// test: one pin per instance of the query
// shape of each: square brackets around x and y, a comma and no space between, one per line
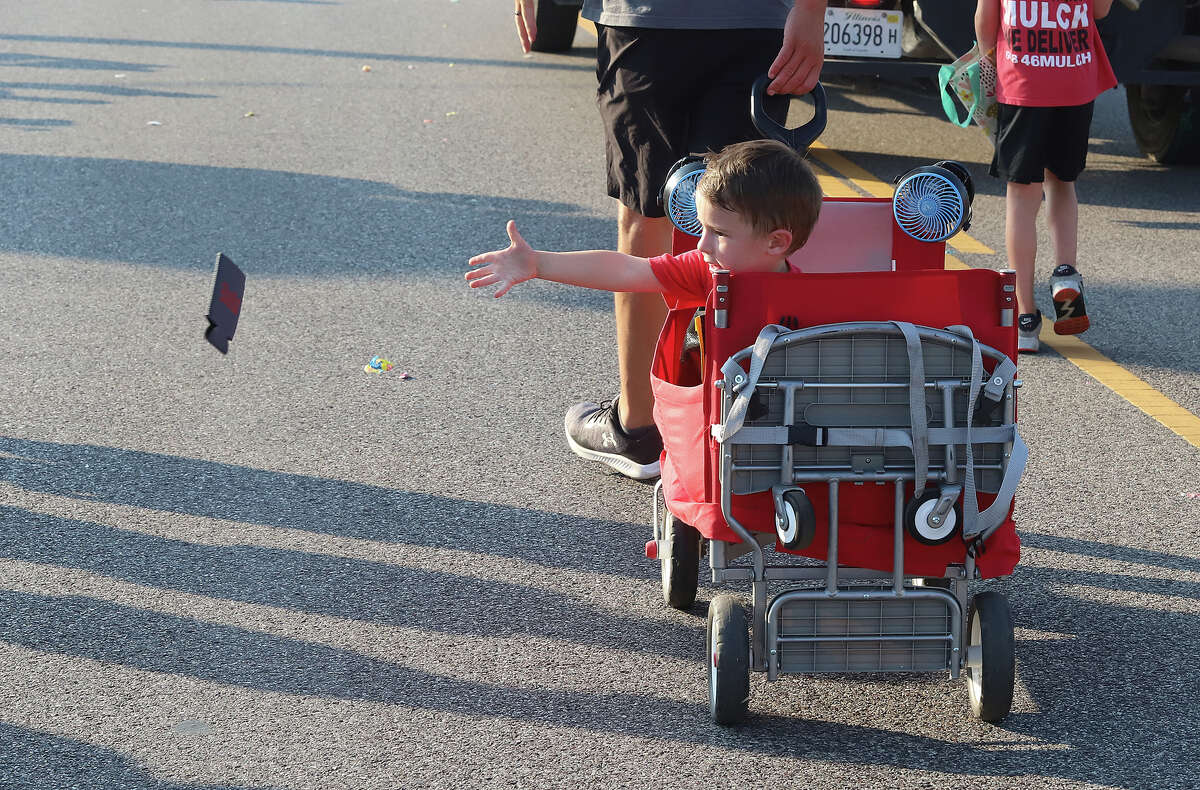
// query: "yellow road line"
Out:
[588,25]
[831,185]
[1133,389]
[955,263]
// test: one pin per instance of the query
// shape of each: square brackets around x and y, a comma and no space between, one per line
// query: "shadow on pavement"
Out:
[274,222]
[39,761]
[1076,736]
[325,506]
[353,589]
[545,62]
[8,92]
[1100,681]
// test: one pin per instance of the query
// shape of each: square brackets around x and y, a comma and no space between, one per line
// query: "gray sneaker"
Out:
[1029,325]
[594,432]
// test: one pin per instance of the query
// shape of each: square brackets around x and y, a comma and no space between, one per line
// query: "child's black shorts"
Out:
[664,94]
[1030,140]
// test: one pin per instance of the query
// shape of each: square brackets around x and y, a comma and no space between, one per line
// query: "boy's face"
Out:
[730,242]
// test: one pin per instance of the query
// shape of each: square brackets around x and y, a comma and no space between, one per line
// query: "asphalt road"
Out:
[270,570]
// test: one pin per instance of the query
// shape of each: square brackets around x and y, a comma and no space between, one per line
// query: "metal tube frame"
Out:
[765,617]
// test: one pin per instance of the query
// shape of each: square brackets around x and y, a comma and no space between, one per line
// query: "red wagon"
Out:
[858,420]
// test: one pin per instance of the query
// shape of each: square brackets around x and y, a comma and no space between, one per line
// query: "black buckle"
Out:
[807,435]
[985,409]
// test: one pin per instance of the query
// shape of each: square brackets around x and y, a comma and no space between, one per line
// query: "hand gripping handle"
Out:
[799,138]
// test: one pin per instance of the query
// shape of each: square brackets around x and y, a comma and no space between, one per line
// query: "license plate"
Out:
[864,33]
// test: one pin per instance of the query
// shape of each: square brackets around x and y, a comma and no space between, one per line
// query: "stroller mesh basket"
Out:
[887,635]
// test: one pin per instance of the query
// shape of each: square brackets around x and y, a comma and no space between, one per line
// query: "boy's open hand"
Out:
[504,268]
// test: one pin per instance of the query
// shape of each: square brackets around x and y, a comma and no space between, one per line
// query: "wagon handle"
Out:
[799,138]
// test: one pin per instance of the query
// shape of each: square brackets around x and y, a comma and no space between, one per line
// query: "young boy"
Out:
[1050,66]
[757,202]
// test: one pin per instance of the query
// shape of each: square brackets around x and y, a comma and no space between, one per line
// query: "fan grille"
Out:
[928,207]
[681,204]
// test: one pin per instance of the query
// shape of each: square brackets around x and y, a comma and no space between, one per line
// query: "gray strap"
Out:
[991,518]
[916,405]
[970,496]
[1004,372]
[743,383]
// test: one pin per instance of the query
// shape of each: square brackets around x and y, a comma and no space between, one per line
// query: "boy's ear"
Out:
[779,241]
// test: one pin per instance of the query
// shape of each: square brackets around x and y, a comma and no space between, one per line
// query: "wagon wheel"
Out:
[728,650]
[680,558]
[918,519]
[991,662]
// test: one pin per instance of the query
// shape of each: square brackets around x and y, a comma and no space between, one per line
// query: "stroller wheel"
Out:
[918,519]
[795,521]
[991,664]
[680,558]
[728,648]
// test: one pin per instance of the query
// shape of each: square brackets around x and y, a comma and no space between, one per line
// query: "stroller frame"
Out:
[833,616]
[765,647]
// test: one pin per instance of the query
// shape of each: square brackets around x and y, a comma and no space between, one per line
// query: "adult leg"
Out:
[639,317]
[1020,237]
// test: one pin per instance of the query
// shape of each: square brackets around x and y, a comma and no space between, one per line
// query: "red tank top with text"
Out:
[1048,54]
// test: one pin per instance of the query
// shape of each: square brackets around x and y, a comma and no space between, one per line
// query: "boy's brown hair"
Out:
[768,184]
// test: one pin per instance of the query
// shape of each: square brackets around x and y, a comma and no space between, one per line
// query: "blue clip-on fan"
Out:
[932,203]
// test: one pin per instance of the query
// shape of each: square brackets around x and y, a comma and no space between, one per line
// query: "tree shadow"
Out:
[381,593]
[1109,686]
[320,505]
[39,761]
[1084,740]
[1098,683]
[8,92]
[37,61]
[35,124]
[553,63]
[273,222]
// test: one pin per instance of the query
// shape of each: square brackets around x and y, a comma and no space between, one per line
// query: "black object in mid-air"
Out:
[229,284]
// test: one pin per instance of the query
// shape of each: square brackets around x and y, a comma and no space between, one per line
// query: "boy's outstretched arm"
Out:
[987,24]
[600,269]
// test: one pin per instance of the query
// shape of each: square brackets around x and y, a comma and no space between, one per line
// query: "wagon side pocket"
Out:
[679,412]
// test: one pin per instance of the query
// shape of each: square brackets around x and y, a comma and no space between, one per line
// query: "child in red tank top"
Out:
[1050,66]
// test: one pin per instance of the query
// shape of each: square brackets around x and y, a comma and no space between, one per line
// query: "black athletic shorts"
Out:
[1030,140]
[664,94]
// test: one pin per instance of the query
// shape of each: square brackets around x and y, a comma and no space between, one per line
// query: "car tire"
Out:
[1166,122]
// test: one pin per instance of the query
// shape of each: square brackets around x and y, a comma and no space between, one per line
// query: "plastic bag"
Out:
[973,79]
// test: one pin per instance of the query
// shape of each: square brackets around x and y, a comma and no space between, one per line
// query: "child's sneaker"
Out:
[1029,325]
[594,432]
[1066,288]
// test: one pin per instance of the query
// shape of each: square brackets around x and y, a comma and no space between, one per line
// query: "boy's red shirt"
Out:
[686,279]
[1048,54]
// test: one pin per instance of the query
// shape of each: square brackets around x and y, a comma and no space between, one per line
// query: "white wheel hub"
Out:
[786,525]
[929,530]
